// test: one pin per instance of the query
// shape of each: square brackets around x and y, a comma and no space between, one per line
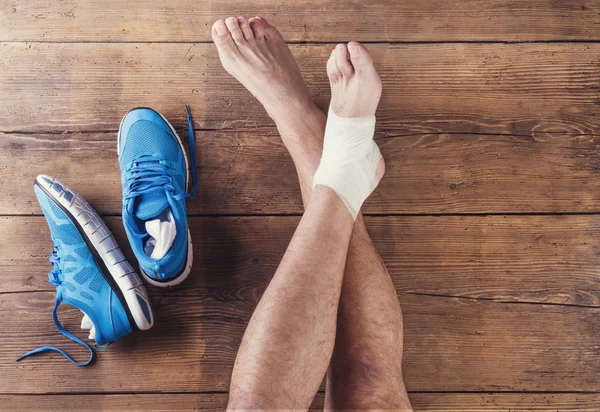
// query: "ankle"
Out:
[302,134]
[298,117]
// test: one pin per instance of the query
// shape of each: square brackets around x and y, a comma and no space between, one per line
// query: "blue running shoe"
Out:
[155,176]
[89,271]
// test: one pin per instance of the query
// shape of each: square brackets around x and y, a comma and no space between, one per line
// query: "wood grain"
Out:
[202,323]
[500,311]
[537,259]
[252,173]
[451,345]
[438,402]
[518,89]
[316,20]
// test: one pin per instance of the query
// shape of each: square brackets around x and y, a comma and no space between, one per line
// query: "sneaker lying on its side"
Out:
[89,271]
[155,176]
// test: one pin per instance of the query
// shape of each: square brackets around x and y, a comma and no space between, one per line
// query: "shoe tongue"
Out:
[149,205]
[162,231]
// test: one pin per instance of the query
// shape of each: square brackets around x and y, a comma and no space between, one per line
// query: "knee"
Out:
[364,366]
[358,366]
[363,372]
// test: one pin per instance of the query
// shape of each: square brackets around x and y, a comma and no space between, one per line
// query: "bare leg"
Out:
[369,339]
[366,368]
[289,341]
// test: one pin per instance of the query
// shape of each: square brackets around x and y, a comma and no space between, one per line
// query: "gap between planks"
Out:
[315,43]
[432,295]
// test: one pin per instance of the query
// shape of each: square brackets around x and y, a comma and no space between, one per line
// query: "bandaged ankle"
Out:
[350,159]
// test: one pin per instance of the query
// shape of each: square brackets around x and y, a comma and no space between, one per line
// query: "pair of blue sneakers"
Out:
[89,270]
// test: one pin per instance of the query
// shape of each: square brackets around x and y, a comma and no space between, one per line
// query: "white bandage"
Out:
[350,158]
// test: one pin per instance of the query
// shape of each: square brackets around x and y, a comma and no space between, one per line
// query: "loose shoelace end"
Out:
[192,143]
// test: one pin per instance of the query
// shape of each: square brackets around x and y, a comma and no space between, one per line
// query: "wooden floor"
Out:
[488,217]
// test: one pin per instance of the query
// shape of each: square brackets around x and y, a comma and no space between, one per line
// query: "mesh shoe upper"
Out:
[154,178]
[78,280]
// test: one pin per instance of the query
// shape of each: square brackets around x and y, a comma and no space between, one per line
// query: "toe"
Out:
[221,36]
[245,27]
[342,62]
[270,31]
[332,70]
[236,32]
[257,25]
[264,21]
[360,57]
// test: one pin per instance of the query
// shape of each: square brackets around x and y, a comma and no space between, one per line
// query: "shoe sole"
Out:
[119,274]
[176,280]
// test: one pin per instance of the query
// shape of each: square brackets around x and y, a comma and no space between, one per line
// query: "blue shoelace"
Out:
[192,144]
[55,278]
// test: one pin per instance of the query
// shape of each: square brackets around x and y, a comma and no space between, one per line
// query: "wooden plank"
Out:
[316,20]
[251,172]
[451,345]
[539,259]
[439,402]
[519,89]
[549,402]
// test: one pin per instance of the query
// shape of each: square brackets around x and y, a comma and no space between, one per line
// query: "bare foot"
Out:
[253,52]
[355,84]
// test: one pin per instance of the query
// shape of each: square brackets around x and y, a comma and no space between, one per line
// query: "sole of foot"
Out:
[355,84]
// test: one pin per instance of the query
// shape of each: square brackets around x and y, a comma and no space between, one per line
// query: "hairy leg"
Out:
[366,368]
[289,341]
[368,297]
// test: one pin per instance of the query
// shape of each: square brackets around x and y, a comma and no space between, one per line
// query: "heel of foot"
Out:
[350,159]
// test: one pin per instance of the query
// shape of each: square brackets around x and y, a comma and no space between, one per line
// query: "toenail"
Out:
[221,29]
[354,50]
[340,47]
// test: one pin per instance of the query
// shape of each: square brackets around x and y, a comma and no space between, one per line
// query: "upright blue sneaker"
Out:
[155,176]
[89,271]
